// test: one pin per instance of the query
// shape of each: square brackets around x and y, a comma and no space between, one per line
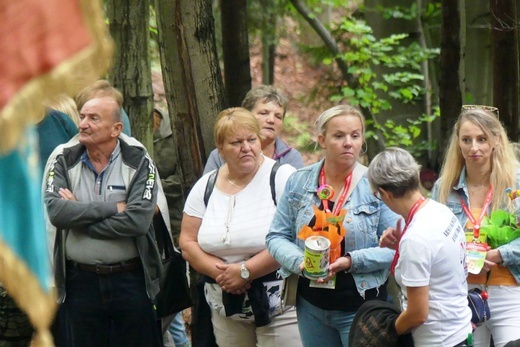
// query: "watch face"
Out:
[244,273]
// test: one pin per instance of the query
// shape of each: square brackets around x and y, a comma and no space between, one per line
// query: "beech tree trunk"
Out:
[235,48]
[450,95]
[129,20]
[192,79]
[193,86]
[269,18]
[505,63]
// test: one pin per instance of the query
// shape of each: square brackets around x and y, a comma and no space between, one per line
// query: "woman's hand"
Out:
[493,258]
[488,265]
[392,236]
[230,280]
[341,264]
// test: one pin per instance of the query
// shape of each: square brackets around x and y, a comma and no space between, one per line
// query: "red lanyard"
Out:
[476,223]
[409,218]
[343,196]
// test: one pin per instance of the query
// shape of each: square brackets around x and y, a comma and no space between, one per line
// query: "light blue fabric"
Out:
[322,327]
[365,221]
[127,129]
[510,252]
[178,331]
[22,227]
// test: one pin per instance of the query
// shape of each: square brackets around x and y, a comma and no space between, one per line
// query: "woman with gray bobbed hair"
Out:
[430,263]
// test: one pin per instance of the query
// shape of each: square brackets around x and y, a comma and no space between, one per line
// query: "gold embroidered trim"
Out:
[26,107]
[25,289]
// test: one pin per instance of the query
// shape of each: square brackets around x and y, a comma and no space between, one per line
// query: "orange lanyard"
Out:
[343,196]
[409,218]
[477,223]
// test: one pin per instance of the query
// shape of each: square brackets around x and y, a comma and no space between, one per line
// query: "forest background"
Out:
[409,65]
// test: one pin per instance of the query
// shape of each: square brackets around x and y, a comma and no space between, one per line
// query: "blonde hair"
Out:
[340,110]
[503,162]
[65,104]
[232,119]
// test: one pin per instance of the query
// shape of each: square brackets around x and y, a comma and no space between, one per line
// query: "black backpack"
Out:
[213,178]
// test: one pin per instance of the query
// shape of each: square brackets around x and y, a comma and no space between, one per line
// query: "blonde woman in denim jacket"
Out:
[325,315]
[479,159]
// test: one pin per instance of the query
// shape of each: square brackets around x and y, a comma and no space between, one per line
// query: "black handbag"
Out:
[174,295]
[479,306]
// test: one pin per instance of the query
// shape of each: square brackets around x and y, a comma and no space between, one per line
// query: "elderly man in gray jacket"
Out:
[101,195]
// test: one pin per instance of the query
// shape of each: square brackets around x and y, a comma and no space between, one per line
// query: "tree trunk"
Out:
[450,96]
[505,63]
[132,67]
[268,58]
[193,85]
[235,48]
[428,105]
[476,70]
[268,33]
[192,79]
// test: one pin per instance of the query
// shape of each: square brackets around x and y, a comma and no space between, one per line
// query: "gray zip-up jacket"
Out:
[100,218]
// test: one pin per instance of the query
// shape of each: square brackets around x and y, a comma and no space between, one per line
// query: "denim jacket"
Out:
[510,252]
[365,221]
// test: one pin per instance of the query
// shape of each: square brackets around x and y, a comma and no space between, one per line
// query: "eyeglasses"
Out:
[377,195]
[491,109]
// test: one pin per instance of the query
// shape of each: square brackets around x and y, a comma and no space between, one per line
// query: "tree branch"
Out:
[331,44]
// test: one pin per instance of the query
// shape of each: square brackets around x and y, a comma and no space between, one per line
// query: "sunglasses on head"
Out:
[491,109]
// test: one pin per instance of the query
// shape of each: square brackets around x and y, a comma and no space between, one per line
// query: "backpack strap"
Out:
[209,186]
[213,178]
[272,181]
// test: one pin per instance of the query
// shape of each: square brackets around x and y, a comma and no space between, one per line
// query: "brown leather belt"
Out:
[107,269]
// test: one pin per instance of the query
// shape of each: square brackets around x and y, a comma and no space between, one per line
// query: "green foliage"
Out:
[402,79]
[404,135]
[387,70]
[431,10]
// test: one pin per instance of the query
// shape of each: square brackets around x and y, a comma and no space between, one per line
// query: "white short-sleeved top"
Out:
[234,226]
[433,254]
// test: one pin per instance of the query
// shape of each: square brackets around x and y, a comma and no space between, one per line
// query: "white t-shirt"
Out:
[433,253]
[234,226]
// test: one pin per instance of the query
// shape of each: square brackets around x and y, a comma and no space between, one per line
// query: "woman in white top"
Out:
[430,262]
[225,240]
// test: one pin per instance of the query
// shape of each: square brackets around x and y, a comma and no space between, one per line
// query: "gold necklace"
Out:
[236,185]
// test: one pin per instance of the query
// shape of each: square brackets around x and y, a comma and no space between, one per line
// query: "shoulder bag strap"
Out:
[209,186]
[272,181]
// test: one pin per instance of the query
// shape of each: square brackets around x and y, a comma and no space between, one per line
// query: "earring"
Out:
[363,151]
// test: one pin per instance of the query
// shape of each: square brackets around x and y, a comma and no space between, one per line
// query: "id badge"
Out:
[330,284]
[476,254]
[482,237]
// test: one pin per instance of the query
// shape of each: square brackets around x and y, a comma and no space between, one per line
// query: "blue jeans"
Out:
[322,327]
[110,310]
[177,329]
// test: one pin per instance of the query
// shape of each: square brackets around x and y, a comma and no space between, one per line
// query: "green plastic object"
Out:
[469,341]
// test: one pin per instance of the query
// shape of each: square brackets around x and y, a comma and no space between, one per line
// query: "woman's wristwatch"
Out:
[244,272]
